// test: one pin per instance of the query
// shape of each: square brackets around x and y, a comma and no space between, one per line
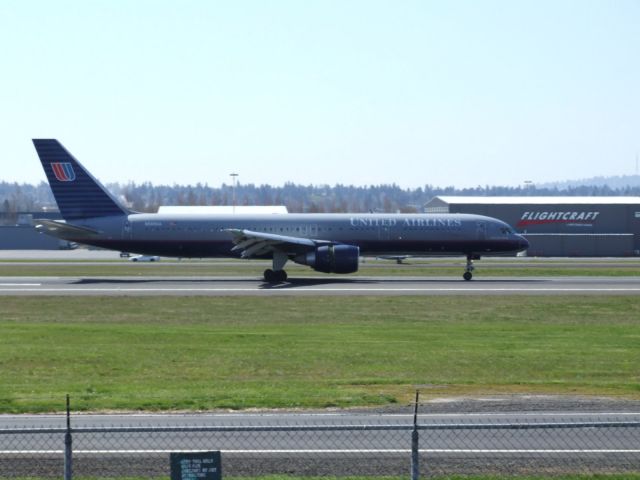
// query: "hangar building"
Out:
[17,232]
[560,226]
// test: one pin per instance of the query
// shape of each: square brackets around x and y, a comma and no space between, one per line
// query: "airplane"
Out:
[329,243]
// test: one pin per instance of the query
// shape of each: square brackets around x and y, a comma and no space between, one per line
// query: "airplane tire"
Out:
[467,276]
[276,276]
[270,276]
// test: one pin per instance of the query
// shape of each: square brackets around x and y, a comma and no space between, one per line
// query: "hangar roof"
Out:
[216,209]
[533,200]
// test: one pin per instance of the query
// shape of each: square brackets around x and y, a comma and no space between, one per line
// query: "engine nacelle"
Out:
[332,259]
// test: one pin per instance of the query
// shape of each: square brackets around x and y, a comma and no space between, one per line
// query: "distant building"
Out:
[25,237]
[17,232]
[24,218]
[560,226]
[224,209]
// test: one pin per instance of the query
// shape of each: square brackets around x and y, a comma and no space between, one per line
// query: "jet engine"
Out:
[331,259]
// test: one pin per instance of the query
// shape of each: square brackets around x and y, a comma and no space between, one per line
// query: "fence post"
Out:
[68,452]
[415,460]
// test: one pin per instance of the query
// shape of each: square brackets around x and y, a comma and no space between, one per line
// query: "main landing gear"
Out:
[277,274]
[470,268]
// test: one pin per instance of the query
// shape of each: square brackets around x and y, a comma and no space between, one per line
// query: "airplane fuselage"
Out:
[206,235]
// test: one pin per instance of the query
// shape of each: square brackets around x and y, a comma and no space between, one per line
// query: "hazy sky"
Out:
[360,92]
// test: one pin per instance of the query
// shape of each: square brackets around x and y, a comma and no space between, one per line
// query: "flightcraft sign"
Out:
[543,217]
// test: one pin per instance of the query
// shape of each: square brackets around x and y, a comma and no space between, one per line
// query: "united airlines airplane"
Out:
[329,243]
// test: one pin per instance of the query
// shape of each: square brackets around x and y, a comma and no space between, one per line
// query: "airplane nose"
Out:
[523,243]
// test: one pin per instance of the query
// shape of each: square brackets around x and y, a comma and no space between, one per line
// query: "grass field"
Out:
[122,353]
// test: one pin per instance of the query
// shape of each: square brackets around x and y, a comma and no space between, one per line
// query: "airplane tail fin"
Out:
[78,194]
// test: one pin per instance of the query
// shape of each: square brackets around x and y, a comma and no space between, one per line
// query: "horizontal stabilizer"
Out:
[63,230]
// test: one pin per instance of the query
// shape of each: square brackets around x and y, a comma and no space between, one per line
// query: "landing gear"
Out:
[470,268]
[275,276]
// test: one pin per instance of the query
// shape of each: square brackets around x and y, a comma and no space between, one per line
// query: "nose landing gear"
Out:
[468,275]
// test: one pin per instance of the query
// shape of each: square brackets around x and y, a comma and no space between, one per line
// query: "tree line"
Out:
[146,197]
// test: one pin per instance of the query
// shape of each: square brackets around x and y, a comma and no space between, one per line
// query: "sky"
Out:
[449,92]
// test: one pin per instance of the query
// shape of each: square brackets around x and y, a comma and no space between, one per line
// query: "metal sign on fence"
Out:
[196,466]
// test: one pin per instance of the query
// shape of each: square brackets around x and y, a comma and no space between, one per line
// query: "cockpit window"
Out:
[506,230]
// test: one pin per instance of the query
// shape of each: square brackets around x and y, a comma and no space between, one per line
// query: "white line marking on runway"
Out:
[302,290]
[20,284]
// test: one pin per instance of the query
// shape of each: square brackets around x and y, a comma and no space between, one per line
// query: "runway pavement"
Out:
[610,411]
[329,285]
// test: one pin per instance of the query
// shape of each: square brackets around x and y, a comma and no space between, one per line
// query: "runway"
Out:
[608,411]
[310,286]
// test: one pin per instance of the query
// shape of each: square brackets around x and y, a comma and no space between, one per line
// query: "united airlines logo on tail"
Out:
[63,172]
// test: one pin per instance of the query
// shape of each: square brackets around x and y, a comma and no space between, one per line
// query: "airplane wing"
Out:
[259,243]
[63,230]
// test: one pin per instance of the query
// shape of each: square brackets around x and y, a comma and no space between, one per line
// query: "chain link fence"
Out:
[424,446]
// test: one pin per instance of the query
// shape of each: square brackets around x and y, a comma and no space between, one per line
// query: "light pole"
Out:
[233,190]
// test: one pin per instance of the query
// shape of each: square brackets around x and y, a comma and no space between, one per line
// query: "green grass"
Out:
[240,352]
